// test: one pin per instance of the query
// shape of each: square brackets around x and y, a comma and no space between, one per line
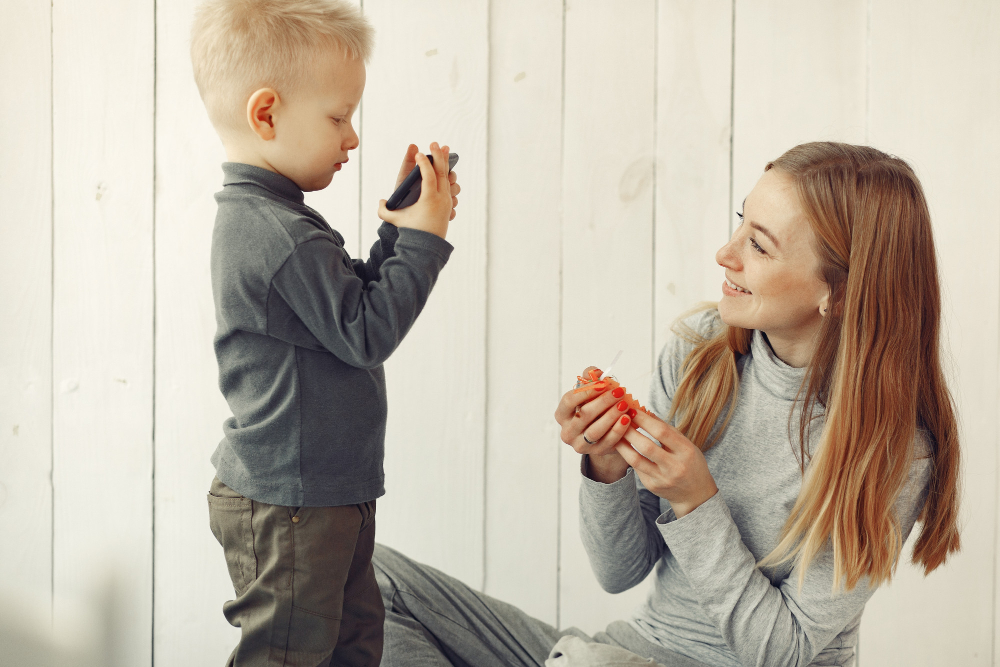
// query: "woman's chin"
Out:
[730,315]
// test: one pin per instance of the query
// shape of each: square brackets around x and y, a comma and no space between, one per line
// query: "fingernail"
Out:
[632,413]
[618,392]
[622,406]
[625,421]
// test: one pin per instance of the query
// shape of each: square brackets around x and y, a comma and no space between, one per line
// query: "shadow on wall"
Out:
[85,637]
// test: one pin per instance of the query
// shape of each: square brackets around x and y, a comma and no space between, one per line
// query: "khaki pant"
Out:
[305,587]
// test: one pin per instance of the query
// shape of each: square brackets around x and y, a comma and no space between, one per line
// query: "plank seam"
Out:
[656,143]
[559,463]
[52,316]
[732,111]
[486,292]
[868,71]
[152,435]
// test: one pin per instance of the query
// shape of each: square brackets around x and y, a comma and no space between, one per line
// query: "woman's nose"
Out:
[727,255]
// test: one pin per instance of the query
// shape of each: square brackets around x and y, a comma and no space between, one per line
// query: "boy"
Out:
[302,328]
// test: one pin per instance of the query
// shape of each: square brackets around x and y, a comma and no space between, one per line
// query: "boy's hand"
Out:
[438,195]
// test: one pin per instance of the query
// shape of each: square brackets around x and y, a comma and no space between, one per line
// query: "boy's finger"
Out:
[386,214]
[441,166]
[427,175]
[408,164]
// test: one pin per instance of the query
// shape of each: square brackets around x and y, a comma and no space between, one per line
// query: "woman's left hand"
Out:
[677,472]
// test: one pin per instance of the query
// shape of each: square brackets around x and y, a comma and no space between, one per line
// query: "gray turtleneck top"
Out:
[709,600]
[302,332]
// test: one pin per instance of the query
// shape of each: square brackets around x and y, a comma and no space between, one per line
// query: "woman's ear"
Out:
[260,112]
[824,303]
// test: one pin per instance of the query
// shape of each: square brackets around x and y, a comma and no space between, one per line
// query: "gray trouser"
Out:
[432,619]
[305,588]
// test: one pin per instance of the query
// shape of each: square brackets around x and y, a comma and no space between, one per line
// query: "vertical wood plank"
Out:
[935,101]
[799,76]
[428,82]
[694,80]
[190,571]
[103,317]
[26,304]
[522,448]
[607,242]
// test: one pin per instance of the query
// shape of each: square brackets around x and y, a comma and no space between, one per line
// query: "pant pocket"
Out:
[312,637]
[229,519]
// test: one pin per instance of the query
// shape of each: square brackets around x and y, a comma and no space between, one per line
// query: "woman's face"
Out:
[773,280]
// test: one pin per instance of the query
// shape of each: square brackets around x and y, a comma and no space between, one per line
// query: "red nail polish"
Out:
[618,392]
[632,413]
[622,406]
[625,421]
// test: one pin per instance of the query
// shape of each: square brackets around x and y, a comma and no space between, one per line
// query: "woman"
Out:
[809,427]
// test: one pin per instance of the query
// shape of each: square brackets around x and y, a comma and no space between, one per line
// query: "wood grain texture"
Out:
[523,383]
[190,574]
[693,131]
[607,243]
[799,76]
[428,82]
[934,104]
[26,305]
[103,306]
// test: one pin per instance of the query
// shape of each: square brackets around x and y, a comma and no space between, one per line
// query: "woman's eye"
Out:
[740,215]
[756,246]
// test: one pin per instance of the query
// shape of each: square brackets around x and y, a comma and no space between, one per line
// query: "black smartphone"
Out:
[408,191]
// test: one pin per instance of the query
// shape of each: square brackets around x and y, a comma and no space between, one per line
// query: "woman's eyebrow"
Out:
[764,230]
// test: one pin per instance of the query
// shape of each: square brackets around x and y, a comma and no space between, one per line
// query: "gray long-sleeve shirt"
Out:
[302,333]
[710,601]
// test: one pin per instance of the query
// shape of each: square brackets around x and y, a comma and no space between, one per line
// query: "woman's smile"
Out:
[729,288]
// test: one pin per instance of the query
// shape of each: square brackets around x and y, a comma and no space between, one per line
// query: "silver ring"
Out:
[588,440]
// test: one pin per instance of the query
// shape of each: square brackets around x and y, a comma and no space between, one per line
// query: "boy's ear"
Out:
[260,112]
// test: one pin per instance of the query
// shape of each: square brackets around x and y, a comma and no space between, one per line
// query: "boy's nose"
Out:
[352,140]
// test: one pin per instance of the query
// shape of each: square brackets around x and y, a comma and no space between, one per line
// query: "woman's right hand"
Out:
[600,414]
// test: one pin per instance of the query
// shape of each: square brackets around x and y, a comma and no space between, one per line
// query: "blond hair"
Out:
[239,46]
[876,371]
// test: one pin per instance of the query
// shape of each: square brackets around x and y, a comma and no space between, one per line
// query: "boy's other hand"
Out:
[438,195]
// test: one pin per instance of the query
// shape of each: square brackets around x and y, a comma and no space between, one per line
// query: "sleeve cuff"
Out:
[707,527]
[623,489]
[421,240]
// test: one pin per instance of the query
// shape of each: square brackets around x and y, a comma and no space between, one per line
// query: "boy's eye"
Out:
[337,121]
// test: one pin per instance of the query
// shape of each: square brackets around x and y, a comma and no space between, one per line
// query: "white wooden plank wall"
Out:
[609,144]
[26,307]
[604,148]
[102,357]
[932,104]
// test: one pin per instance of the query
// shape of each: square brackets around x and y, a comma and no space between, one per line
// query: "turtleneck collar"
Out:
[237,173]
[778,377]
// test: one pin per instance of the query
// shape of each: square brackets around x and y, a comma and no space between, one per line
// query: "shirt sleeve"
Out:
[763,623]
[381,250]
[618,529]
[618,521]
[359,319]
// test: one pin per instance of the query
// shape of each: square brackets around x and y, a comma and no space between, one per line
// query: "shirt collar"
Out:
[237,173]
[778,377]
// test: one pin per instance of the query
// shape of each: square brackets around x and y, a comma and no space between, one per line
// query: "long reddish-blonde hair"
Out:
[875,374]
